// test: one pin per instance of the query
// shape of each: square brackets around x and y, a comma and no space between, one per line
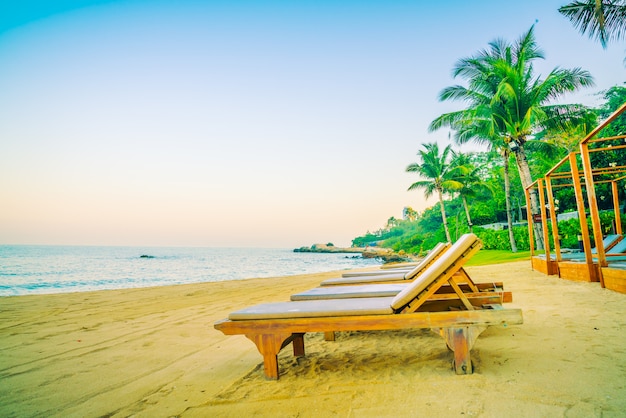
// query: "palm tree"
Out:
[604,20]
[471,181]
[439,175]
[477,129]
[392,223]
[409,213]
[507,104]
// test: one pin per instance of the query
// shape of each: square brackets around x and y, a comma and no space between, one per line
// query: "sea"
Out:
[35,269]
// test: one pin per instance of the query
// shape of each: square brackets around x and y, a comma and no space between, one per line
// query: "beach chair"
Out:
[368,290]
[382,277]
[618,249]
[379,278]
[494,291]
[459,320]
[613,244]
[401,273]
[615,256]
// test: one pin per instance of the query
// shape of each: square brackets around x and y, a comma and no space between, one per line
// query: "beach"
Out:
[153,352]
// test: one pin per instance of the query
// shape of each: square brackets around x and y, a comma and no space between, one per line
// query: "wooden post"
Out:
[618,219]
[329,336]
[580,206]
[269,345]
[460,341]
[544,221]
[553,220]
[593,207]
[298,344]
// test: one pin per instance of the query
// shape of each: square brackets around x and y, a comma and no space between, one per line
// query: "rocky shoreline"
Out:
[386,255]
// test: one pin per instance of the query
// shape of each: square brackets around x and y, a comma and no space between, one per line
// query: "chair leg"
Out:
[269,345]
[298,345]
[460,341]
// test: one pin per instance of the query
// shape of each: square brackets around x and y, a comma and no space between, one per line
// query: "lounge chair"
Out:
[458,320]
[461,278]
[381,277]
[614,256]
[406,272]
[389,278]
[618,249]
[404,265]
[378,272]
[613,244]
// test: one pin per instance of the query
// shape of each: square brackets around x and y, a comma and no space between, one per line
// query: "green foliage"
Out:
[422,231]
[499,240]
[570,230]
[365,240]
[604,21]
[418,237]
[614,97]
[400,228]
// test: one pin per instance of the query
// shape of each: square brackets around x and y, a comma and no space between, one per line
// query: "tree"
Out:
[468,176]
[604,20]
[392,222]
[507,104]
[614,98]
[438,176]
[410,214]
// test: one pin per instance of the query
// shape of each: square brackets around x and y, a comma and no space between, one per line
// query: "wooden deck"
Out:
[579,271]
[615,278]
[544,266]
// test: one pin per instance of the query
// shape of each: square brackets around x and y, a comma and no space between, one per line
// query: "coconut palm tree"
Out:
[438,174]
[469,176]
[477,129]
[410,214]
[604,20]
[507,104]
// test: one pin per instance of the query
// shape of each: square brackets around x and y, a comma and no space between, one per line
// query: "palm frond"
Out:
[603,20]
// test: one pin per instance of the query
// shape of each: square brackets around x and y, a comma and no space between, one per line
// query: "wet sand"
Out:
[154,353]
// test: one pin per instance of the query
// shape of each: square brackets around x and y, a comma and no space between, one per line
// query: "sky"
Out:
[239,123]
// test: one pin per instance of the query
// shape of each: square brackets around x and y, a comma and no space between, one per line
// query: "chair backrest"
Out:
[433,277]
[618,248]
[428,260]
[608,242]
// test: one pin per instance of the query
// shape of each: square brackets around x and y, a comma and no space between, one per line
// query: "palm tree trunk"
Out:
[507,195]
[443,216]
[526,178]
[467,213]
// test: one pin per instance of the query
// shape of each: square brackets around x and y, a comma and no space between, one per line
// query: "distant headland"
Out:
[387,255]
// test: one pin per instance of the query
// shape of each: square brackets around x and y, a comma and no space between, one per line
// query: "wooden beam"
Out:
[553,220]
[556,167]
[446,319]
[544,219]
[616,209]
[459,329]
[610,119]
[608,148]
[580,205]
[608,138]
[593,207]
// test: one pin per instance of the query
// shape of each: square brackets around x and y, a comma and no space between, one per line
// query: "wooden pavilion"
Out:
[576,171]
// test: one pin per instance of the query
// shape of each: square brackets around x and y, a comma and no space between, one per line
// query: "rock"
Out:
[386,255]
[323,248]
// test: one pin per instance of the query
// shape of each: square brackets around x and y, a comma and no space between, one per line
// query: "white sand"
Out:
[154,353]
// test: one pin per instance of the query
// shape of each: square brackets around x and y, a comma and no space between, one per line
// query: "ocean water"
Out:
[29,269]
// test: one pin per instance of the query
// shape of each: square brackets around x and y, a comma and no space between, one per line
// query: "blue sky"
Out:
[238,123]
